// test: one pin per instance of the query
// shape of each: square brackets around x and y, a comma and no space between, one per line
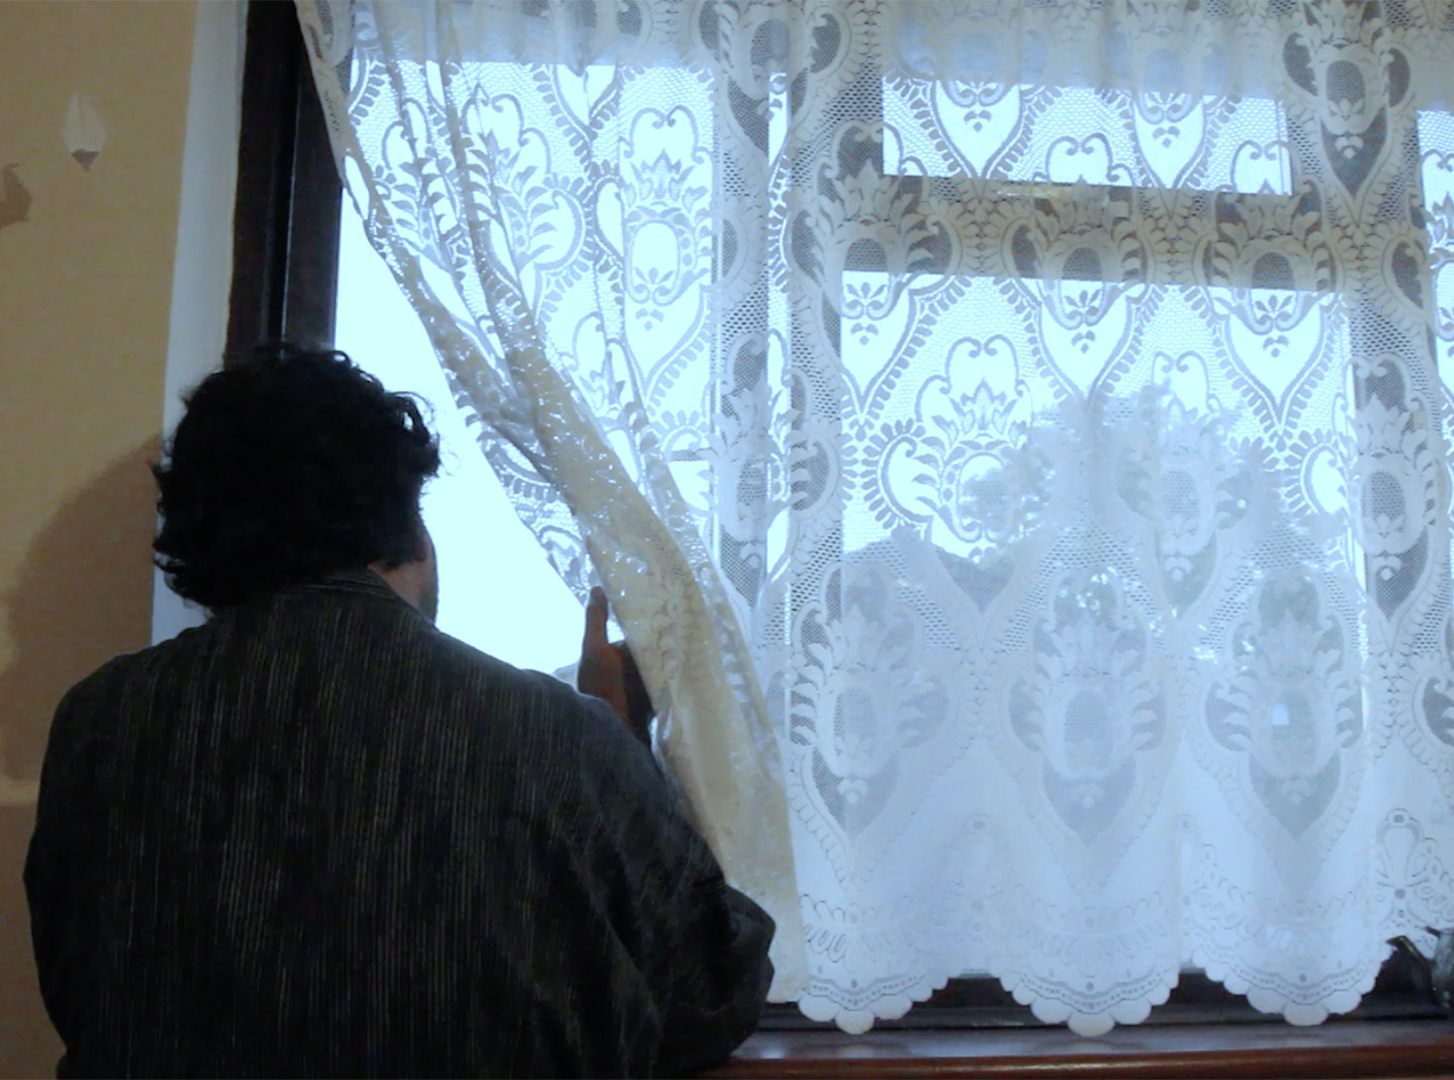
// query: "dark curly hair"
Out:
[289,465]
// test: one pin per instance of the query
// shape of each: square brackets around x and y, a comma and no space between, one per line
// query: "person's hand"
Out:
[608,671]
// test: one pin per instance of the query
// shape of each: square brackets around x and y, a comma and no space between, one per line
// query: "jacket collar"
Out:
[363,581]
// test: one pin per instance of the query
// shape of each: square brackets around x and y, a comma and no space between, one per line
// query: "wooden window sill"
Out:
[1388,1048]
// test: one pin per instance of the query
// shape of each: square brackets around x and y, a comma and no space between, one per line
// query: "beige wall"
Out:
[85,291]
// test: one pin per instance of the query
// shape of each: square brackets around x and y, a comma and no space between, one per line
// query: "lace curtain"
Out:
[1012,435]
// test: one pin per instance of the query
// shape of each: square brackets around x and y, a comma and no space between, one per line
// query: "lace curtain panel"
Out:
[1012,435]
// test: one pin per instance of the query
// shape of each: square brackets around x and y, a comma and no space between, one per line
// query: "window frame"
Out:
[289,196]
[286,230]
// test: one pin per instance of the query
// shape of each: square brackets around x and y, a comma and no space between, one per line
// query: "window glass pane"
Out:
[984,372]
[1436,147]
[1067,134]
[498,592]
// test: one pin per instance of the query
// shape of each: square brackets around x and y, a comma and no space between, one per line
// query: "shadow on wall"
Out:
[28,1044]
[82,595]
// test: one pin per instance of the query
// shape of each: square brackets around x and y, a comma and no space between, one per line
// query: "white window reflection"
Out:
[498,592]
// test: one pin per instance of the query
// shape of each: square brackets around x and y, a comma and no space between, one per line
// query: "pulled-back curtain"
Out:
[1012,435]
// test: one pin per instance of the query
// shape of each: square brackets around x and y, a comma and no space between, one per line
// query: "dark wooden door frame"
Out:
[286,217]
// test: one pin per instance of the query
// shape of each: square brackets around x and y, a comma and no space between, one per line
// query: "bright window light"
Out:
[1079,135]
[498,592]
[1436,150]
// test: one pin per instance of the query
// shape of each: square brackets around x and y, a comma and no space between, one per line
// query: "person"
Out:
[318,836]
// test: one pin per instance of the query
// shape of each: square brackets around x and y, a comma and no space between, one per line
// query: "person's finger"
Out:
[597,611]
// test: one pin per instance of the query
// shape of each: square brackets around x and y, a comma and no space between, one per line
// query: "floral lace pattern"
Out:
[1015,434]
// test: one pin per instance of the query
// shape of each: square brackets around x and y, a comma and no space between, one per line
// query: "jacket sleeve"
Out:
[60,856]
[718,974]
[700,944]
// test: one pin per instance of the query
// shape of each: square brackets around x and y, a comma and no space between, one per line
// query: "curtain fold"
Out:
[1013,437]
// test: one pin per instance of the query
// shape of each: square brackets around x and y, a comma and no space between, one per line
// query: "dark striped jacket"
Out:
[316,836]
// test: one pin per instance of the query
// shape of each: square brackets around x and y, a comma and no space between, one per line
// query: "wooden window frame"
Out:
[286,218]
[284,288]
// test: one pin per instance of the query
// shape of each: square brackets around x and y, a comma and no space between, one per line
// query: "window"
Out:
[1092,297]
[1436,129]
[510,603]
[977,120]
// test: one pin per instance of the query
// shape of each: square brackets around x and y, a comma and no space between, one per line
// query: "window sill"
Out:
[1336,1049]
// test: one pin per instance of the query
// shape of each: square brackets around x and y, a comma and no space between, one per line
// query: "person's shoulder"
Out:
[451,652]
[108,679]
[92,702]
[547,698]
[555,714]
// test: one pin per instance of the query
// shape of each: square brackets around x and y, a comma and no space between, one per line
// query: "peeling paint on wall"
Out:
[84,133]
[14,197]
